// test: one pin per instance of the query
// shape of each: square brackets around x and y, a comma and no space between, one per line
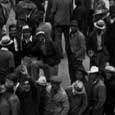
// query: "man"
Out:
[23,11]
[6,58]
[61,13]
[111,35]
[45,52]
[15,46]
[4,105]
[56,98]
[26,43]
[11,97]
[77,98]
[97,95]
[77,51]
[28,92]
[109,80]
[97,45]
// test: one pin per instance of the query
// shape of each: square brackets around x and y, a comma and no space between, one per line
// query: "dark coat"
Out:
[29,101]
[48,54]
[77,102]
[97,98]
[99,57]
[61,12]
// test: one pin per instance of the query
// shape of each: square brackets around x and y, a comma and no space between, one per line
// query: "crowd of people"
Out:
[34,44]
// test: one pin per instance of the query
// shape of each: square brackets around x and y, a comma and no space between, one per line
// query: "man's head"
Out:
[26,32]
[109,71]
[40,35]
[74,26]
[12,30]
[93,73]
[99,26]
[55,82]
[80,73]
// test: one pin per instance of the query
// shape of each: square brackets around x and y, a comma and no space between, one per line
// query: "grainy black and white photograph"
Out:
[57,57]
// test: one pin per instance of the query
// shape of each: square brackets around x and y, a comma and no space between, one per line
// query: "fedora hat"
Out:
[5,41]
[56,79]
[42,81]
[100,24]
[78,86]
[2,88]
[94,69]
[110,68]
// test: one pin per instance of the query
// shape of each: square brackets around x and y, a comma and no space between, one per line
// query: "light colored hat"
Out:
[94,69]
[56,79]
[42,81]
[5,41]
[2,88]
[110,68]
[40,32]
[26,27]
[100,24]
[78,85]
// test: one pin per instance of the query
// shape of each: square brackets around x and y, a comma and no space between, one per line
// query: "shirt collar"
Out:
[5,49]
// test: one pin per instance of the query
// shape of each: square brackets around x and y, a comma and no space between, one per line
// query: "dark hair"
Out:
[12,26]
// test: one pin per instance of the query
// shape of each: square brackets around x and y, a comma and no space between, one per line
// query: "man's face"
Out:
[108,75]
[26,34]
[55,86]
[99,31]
[13,32]
[92,77]
[41,38]
[25,86]
[74,28]
[79,75]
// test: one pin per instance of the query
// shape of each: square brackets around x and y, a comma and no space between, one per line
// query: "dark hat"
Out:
[81,69]
[74,23]
[2,88]
[26,28]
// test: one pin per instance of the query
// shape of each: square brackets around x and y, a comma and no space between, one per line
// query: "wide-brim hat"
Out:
[78,86]
[100,24]
[55,79]
[5,41]
[40,33]
[109,69]
[42,81]
[26,28]
[2,89]
[100,12]
[94,69]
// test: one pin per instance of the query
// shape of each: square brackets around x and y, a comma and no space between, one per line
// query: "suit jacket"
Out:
[61,12]
[92,43]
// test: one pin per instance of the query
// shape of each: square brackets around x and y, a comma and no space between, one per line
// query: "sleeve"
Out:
[84,104]
[101,97]
[65,105]
[11,63]
[53,10]
[82,45]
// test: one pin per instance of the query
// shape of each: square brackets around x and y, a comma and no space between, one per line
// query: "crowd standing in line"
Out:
[34,43]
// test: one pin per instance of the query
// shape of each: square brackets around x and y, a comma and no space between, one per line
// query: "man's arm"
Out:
[65,105]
